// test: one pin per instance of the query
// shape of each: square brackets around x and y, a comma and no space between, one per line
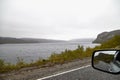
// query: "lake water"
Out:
[34,51]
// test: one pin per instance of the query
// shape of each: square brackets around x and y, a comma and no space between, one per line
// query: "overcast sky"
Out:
[58,19]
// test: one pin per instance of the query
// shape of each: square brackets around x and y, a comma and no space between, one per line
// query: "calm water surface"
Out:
[34,51]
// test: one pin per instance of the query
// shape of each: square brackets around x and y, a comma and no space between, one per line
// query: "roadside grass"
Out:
[7,67]
[55,58]
[69,55]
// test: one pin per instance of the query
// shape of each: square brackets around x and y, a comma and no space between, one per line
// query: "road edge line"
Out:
[64,72]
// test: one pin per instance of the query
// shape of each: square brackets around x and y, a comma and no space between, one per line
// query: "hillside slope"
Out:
[105,36]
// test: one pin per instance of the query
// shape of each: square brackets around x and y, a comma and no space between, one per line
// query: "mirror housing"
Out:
[106,61]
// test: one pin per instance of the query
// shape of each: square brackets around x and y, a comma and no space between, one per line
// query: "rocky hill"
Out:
[105,36]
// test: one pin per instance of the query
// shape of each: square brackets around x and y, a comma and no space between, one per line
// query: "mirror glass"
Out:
[107,61]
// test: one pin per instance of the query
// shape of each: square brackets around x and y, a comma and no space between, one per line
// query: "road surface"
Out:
[83,73]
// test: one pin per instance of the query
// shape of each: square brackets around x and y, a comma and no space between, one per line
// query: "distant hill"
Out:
[84,39]
[5,40]
[105,36]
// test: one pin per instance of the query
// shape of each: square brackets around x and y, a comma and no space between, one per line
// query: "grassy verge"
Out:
[65,56]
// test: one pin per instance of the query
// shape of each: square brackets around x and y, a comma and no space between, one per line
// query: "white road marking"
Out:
[64,72]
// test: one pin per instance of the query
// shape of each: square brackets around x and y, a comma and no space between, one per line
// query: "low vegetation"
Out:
[65,56]
[112,43]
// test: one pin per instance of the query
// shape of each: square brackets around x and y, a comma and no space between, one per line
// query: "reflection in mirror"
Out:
[107,61]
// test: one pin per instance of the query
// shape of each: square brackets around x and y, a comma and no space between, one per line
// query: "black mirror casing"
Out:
[100,69]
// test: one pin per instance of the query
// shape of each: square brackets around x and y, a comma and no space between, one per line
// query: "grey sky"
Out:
[58,19]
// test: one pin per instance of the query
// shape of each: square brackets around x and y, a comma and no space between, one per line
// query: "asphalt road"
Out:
[87,73]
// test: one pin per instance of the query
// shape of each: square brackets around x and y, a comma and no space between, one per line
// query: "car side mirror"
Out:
[106,61]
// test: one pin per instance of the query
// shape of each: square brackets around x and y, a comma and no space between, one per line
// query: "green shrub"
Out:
[1,63]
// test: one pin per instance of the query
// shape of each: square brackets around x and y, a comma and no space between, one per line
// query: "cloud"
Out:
[63,19]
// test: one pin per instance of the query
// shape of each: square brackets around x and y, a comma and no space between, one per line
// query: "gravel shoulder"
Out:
[33,73]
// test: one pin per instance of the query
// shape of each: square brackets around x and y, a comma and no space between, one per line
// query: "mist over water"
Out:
[34,51]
